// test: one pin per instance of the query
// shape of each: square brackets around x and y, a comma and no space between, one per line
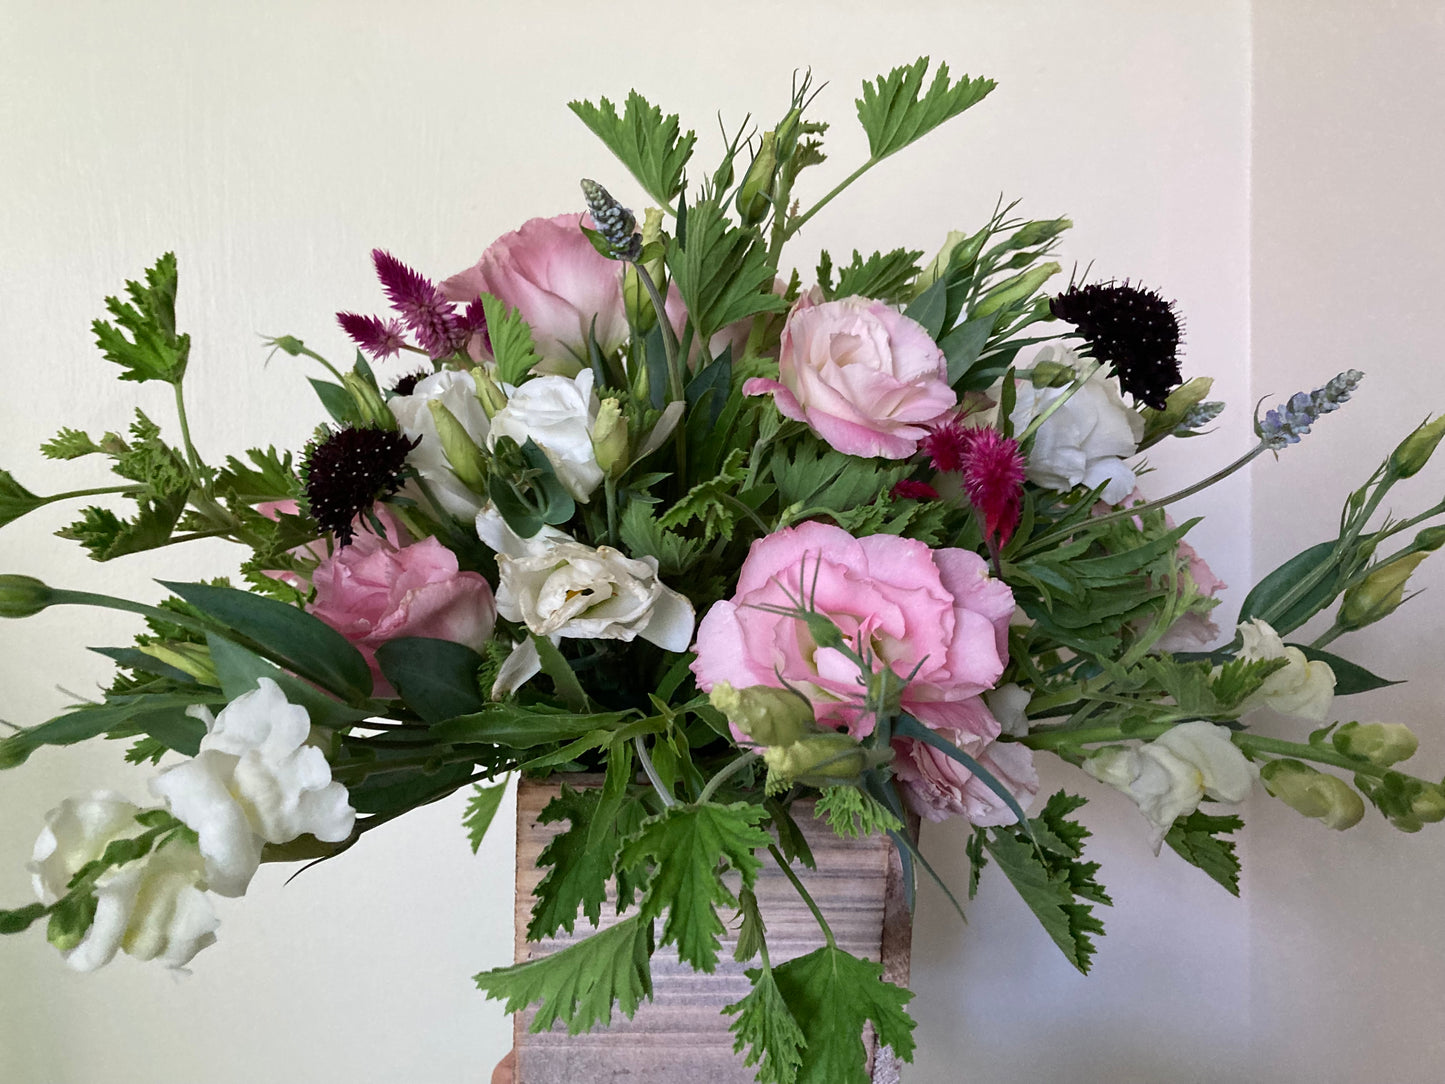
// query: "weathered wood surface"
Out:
[682,1035]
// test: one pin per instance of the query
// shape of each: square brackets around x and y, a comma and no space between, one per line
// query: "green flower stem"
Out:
[647,766]
[609,489]
[1044,415]
[191,457]
[99,491]
[803,892]
[62,597]
[723,776]
[798,221]
[669,337]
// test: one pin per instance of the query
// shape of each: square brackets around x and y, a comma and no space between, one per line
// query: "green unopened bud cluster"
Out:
[1381,744]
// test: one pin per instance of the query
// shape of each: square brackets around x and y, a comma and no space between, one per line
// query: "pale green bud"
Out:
[958,247]
[370,405]
[1181,401]
[1380,743]
[1378,594]
[769,716]
[1414,451]
[824,759]
[489,395]
[467,461]
[23,596]
[1051,374]
[756,194]
[1326,798]
[1038,233]
[1430,539]
[1013,290]
[192,659]
[609,438]
[1429,804]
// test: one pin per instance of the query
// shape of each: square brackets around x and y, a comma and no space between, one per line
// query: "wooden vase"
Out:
[682,1034]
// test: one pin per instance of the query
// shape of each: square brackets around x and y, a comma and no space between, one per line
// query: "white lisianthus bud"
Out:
[457,391]
[558,414]
[1170,776]
[1304,688]
[254,781]
[574,590]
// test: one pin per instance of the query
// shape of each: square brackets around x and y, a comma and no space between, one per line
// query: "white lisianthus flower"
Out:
[1304,688]
[598,594]
[153,908]
[557,413]
[1170,776]
[254,781]
[1085,441]
[457,391]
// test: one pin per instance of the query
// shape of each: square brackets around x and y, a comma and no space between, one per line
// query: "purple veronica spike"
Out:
[379,338]
[431,317]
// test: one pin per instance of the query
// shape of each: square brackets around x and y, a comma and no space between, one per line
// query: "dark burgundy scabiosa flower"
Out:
[431,317]
[348,471]
[1133,328]
[993,478]
[380,338]
[908,489]
[407,384]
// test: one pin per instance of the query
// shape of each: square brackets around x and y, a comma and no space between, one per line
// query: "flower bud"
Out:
[1327,798]
[769,716]
[370,406]
[1013,290]
[23,596]
[958,248]
[1380,743]
[192,659]
[467,461]
[1051,374]
[1414,451]
[1379,594]
[1430,539]
[1429,804]
[609,438]
[823,759]
[756,194]
[489,395]
[1038,233]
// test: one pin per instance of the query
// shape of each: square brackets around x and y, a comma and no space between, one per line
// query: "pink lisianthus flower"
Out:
[936,787]
[864,377]
[549,272]
[934,614]
[373,591]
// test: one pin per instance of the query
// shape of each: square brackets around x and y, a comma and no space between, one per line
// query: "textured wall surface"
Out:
[271,145]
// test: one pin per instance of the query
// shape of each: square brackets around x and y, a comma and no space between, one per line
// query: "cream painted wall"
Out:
[273,144]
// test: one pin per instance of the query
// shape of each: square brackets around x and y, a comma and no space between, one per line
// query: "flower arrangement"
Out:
[644,503]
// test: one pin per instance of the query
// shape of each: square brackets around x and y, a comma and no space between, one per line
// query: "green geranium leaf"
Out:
[578,866]
[767,1030]
[885,276]
[153,350]
[853,814]
[581,983]
[69,444]
[686,846]
[647,143]
[1197,839]
[512,343]
[721,270]
[831,995]
[894,114]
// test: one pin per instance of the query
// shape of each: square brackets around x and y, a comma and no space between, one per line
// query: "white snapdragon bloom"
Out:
[1085,441]
[457,391]
[254,781]
[599,594]
[1170,776]
[154,908]
[557,413]
[1304,688]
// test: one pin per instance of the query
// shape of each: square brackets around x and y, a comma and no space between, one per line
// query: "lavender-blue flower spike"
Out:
[1286,423]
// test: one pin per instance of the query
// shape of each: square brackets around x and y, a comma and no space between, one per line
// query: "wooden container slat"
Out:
[682,1035]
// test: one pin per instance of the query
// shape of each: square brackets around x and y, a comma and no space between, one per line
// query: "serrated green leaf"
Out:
[894,115]
[852,814]
[271,476]
[766,1028]
[580,984]
[481,809]
[1238,678]
[146,750]
[885,276]
[69,444]
[154,351]
[752,933]
[512,342]
[722,271]
[831,995]
[713,502]
[686,845]
[1196,839]
[648,144]
[577,867]
[642,536]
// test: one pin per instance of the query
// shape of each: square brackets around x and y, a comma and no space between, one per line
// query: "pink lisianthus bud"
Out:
[549,272]
[373,591]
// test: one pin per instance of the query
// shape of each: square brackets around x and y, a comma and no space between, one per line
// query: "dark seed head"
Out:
[348,471]
[1131,327]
